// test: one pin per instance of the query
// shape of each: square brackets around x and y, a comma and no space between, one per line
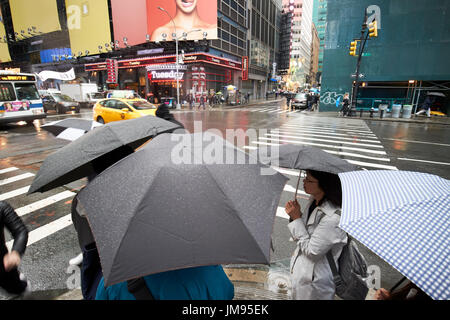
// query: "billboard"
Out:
[42,15]
[141,20]
[4,49]
[88,24]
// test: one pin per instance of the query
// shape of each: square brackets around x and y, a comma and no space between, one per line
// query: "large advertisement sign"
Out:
[88,24]
[4,49]
[139,21]
[34,17]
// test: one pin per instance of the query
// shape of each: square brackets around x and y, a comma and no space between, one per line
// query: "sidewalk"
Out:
[376,117]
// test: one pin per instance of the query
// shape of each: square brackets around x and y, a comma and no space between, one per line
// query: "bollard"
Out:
[371,112]
[381,114]
[361,113]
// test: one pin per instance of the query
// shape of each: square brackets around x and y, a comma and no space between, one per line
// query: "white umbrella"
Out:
[404,218]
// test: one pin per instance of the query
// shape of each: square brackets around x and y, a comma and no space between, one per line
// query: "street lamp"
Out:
[176,49]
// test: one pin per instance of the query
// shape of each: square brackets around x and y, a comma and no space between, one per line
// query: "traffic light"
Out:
[373,29]
[353,45]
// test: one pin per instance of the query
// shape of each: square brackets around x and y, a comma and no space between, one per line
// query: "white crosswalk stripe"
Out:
[46,202]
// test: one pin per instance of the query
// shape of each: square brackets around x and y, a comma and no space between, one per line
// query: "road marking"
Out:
[45,231]
[295,173]
[426,161]
[361,132]
[43,203]
[300,134]
[250,148]
[329,132]
[289,188]
[324,140]
[424,142]
[373,165]
[14,193]
[322,145]
[282,213]
[8,170]
[356,155]
[16,178]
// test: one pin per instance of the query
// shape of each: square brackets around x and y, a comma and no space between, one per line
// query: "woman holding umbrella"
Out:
[316,231]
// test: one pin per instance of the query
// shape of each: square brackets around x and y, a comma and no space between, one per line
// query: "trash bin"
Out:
[395,112]
[383,110]
[407,109]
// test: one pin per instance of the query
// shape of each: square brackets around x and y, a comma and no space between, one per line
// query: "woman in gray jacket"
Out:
[316,231]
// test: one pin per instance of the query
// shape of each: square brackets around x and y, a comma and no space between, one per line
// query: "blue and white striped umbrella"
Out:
[404,218]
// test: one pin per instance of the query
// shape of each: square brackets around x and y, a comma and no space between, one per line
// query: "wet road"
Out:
[371,144]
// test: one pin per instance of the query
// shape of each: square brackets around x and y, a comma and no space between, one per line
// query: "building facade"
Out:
[407,60]
[301,39]
[315,50]
[264,47]
[320,20]
[146,67]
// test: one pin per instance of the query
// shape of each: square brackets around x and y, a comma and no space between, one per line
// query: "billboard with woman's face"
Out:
[142,20]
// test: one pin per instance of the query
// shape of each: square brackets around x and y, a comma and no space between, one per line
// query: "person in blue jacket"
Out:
[199,283]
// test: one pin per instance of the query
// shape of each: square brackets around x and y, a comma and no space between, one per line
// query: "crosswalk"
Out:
[14,184]
[350,139]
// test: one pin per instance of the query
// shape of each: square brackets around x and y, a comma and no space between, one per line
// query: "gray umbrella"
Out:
[305,157]
[104,144]
[177,203]
[71,128]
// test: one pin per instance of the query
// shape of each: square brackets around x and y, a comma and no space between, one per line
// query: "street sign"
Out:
[360,75]
[366,54]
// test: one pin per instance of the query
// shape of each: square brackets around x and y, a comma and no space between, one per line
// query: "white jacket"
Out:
[311,275]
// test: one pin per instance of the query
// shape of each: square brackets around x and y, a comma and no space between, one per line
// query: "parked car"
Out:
[60,103]
[109,110]
[299,101]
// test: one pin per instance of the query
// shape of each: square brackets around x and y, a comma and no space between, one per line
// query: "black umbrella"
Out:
[70,129]
[110,142]
[305,157]
[178,204]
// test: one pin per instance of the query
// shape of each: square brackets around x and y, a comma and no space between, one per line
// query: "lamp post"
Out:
[177,62]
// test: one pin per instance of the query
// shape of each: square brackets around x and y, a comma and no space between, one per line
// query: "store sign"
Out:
[165,75]
[112,69]
[169,60]
[17,78]
[244,68]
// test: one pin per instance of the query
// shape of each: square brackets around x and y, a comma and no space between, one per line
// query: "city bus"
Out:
[19,98]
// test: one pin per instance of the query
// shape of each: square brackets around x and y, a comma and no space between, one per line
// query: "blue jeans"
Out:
[91,272]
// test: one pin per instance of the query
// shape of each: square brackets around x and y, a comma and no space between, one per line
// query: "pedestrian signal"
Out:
[373,29]
[353,45]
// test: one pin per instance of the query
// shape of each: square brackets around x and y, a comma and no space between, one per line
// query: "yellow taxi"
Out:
[116,109]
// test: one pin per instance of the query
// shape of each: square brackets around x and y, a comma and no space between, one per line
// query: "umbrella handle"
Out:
[296,189]
[397,284]
[298,182]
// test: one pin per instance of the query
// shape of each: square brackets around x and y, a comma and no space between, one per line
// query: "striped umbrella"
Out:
[70,129]
[404,218]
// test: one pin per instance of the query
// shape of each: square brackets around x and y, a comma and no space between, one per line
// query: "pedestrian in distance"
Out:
[198,283]
[91,270]
[308,101]
[426,106]
[202,102]
[316,231]
[163,112]
[10,278]
[345,106]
